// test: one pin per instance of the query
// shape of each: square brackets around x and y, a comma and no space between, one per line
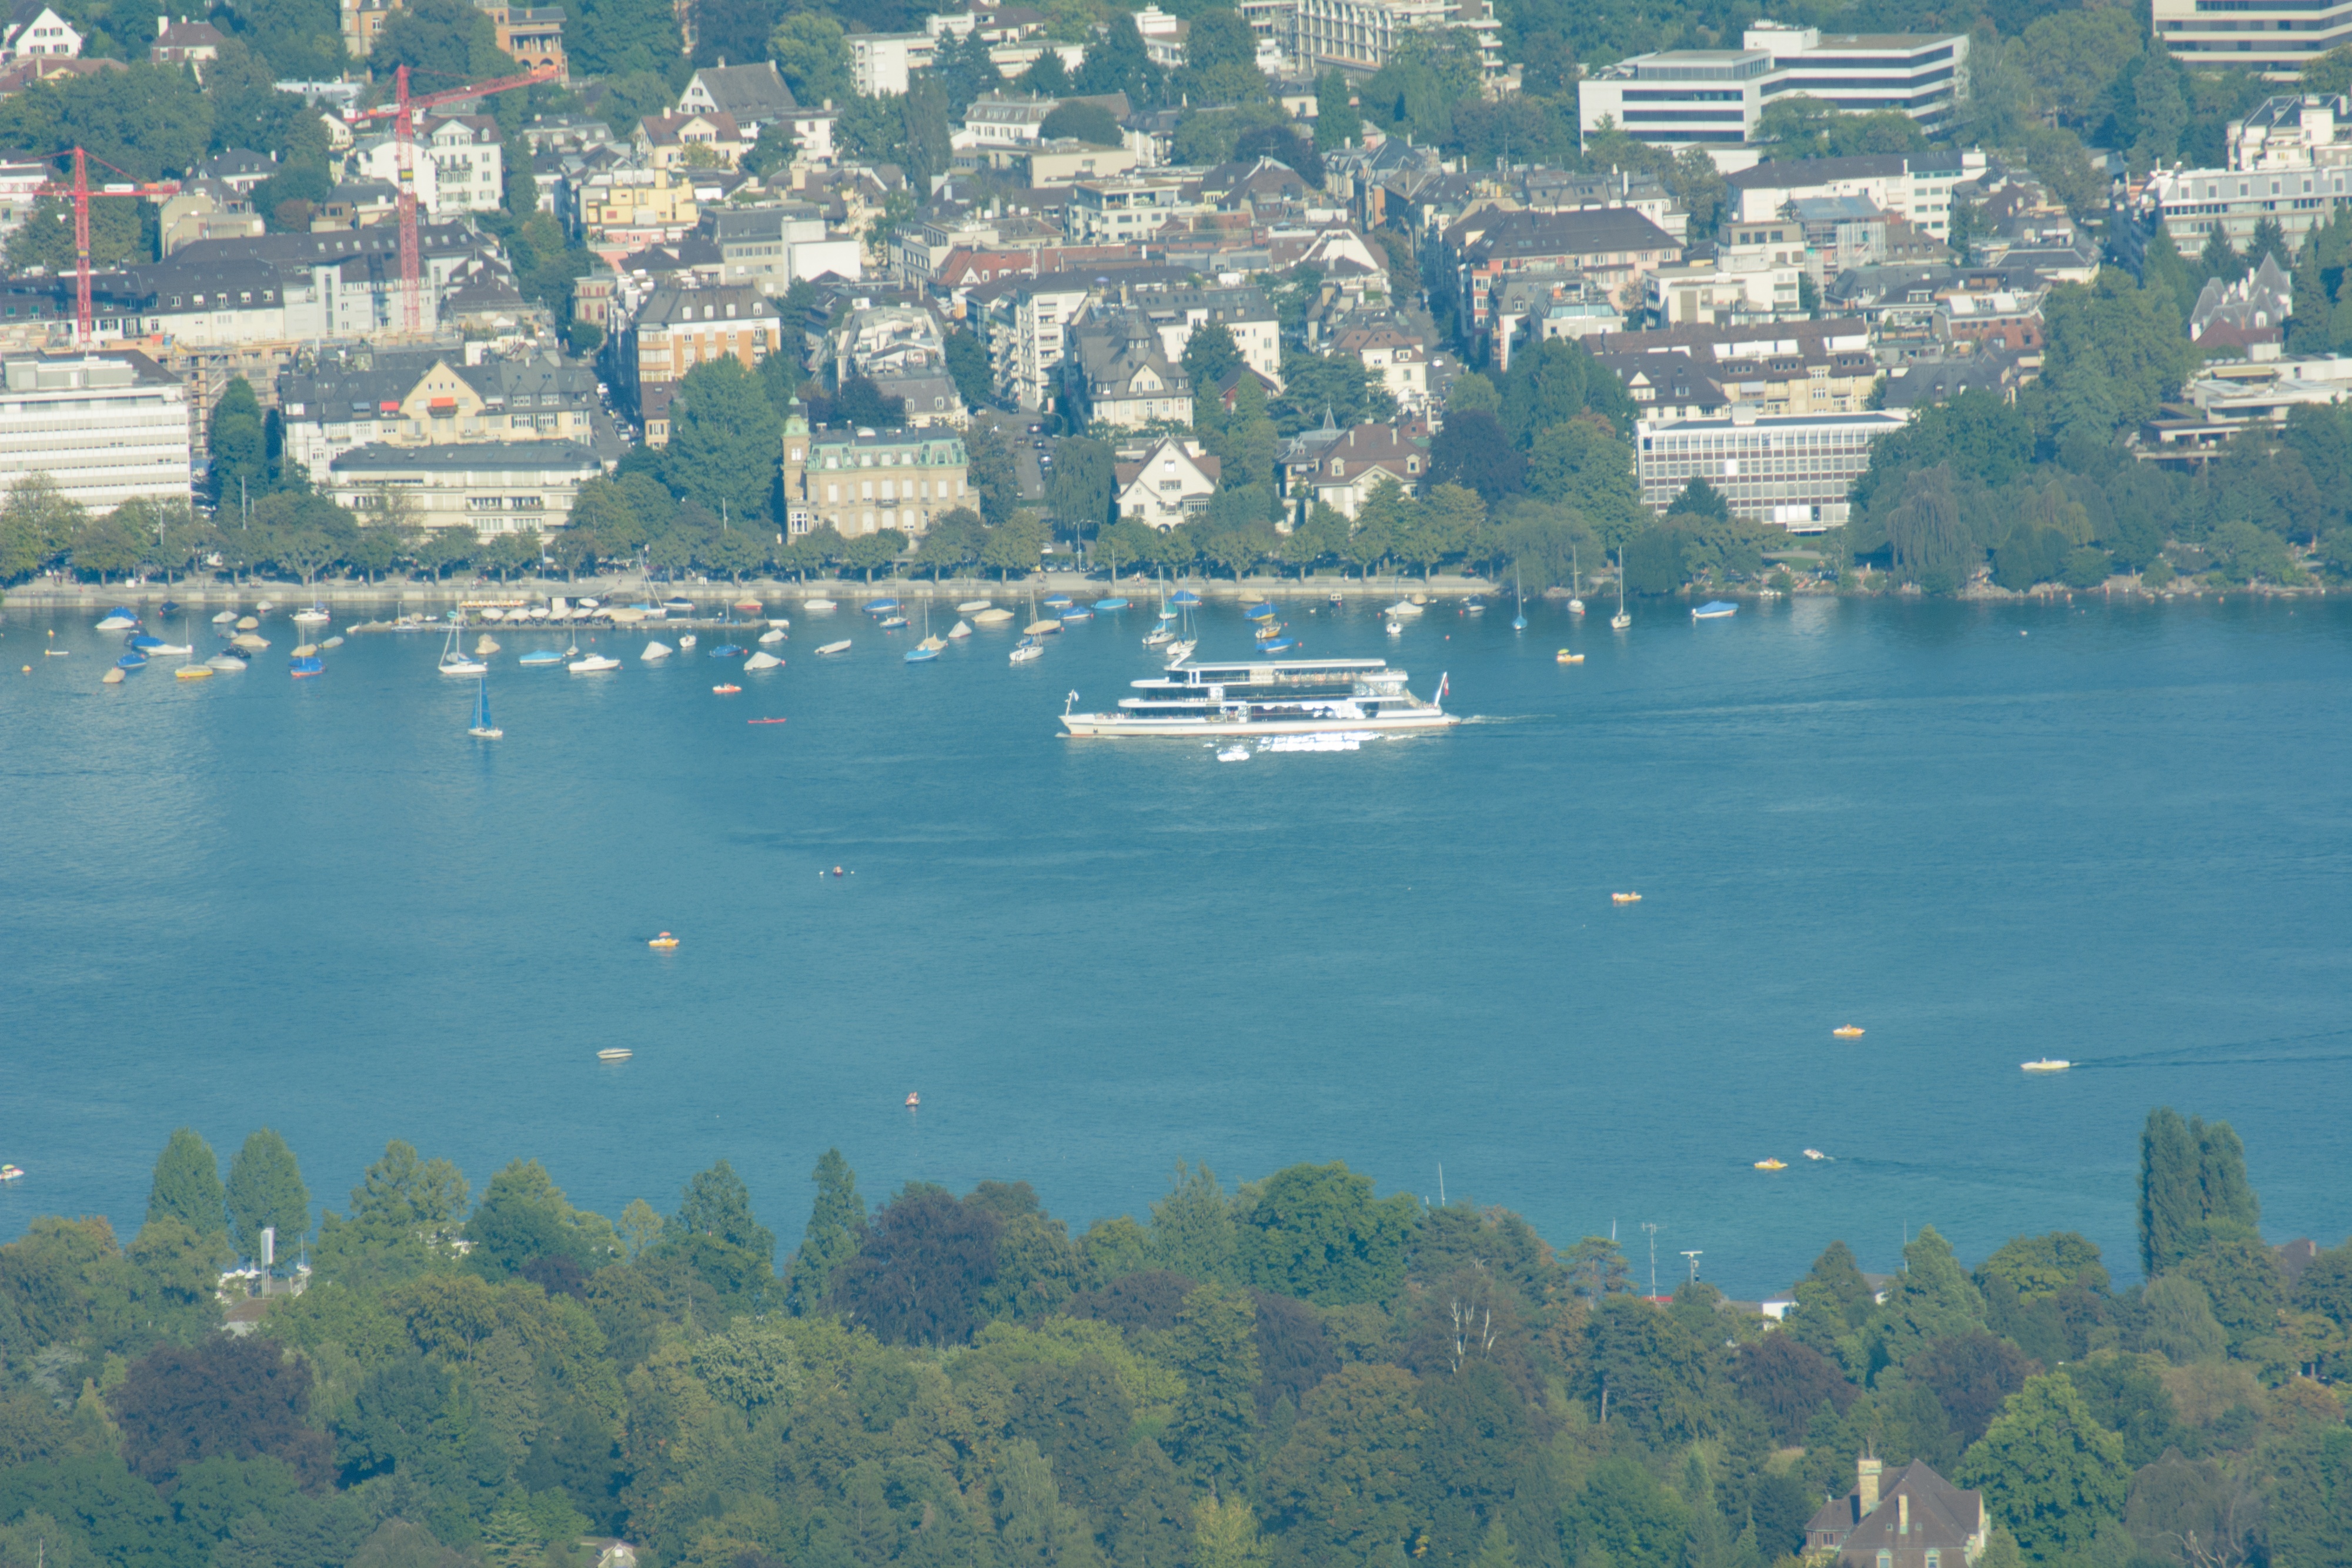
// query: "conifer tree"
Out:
[1215,1429]
[266,1190]
[2170,1204]
[836,1228]
[188,1186]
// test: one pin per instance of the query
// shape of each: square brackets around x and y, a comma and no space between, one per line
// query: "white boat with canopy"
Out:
[1266,696]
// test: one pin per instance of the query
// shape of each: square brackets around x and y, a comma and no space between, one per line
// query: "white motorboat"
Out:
[655,651]
[1235,754]
[830,648]
[1027,648]
[1396,628]
[771,637]
[120,621]
[992,617]
[592,665]
[2046,1064]
[315,616]
[225,617]
[225,663]
[688,641]
[161,649]
[762,662]
[818,604]
[1286,697]
[971,606]
[959,630]
[1404,607]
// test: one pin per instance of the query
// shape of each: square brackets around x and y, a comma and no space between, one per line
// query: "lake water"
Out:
[317,904]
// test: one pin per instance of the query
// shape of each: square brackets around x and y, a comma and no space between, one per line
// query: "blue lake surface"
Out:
[319,905]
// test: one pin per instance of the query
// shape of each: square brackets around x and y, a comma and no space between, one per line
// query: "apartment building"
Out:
[103,428]
[1025,322]
[532,34]
[1793,471]
[863,481]
[1914,187]
[624,208]
[2275,39]
[2192,204]
[1360,36]
[427,398]
[1129,210]
[1714,97]
[492,486]
[343,284]
[679,327]
[1612,246]
[881,63]
[1118,374]
[1781,367]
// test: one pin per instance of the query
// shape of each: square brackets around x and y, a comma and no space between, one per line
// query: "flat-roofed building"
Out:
[2276,38]
[103,428]
[1794,471]
[490,486]
[1714,97]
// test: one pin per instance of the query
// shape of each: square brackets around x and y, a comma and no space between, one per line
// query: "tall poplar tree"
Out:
[188,1186]
[836,1228]
[265,1189]
[2169,1202]
[1215,1429]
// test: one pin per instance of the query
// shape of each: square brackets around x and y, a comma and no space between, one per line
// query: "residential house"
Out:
[753,95]
[1120,373]
[490,486]
[469,163]
[863,481]
[1920,1522]
[2244,311]
[192,44]
[532,34]
[1781,367]
[1914,186]
[1341,468]
[1399,364]
[624,208]
[33,28]
[1614,247]
[997,124]
[678,141]
[1171,483]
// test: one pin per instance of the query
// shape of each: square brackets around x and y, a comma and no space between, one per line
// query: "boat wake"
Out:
[1507,718]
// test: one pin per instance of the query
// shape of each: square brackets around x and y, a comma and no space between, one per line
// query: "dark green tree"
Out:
[2049,1471]
[1318,1233]
[725,437]
[187,1184]
[835,1229]
[265,1190]
[1215,1433]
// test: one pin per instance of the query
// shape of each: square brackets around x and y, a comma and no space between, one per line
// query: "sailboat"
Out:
[1519,620]
[483,728]
[1618,622]
[1575,584]
[1160,636]
[455,661]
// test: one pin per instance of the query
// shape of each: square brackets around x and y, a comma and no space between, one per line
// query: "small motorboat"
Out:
[1476,607]
[762,662]
[11,1173]
[225,617]
[877,606]
[143,642]
[653,652]
[592,665]
[920,655]
[892,622]
[779,623]
[832,648]
[249,642]
[1280,645]
[225,663]
[1564,657]
[913,1099]
[120,618]
[971,606]
[1072,617]
[315,616]
[727,651]
[2047,1064]
[1059,602]
[664,941]
[1235,754]
[484,645]
[1396,628]
[332,642]
[725,691]
[264,606]
[1404,607]
[1027,648]
[764,721]
[1817,1154]
[247,623]
[1715,610]
[302,669]
[192,672]
[992,617]
[1847,1031]
[959,630]
[56,652]
[679,606]
[133,660]
[1624,898]
[613,1053]
[1111,604]
[819,604]
[1258,613]
[163,650]
[111,678]
[306,650]
[687,640]
[771,637]
[1041,628]
[1771,1165]
[750,607]
[539,656]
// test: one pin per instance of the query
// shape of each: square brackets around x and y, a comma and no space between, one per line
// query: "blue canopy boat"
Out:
[309,665]
[727,651]
[1715,610]
[1111,604]
[918,656]
[542,656]
[1183,596]
[133,660]
[1259,613]
[880,606]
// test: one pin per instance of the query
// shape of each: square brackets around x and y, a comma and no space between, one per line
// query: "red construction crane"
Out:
[85,332]
[402,113]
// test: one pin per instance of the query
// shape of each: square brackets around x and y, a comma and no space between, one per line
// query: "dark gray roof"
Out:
[1570,233]
[753,91]
[1799,171]
[471,454]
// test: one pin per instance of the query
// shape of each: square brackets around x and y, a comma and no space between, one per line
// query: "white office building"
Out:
[881,63]
[105,429]
[2273,37]
[1793,470]
[1714,97]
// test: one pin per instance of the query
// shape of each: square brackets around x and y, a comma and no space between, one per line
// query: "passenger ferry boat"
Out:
[1266,696]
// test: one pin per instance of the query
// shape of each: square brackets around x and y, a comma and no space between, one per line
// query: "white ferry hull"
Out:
[1119,727]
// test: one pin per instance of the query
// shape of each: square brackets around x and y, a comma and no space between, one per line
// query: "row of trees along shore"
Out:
[1294,1372]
